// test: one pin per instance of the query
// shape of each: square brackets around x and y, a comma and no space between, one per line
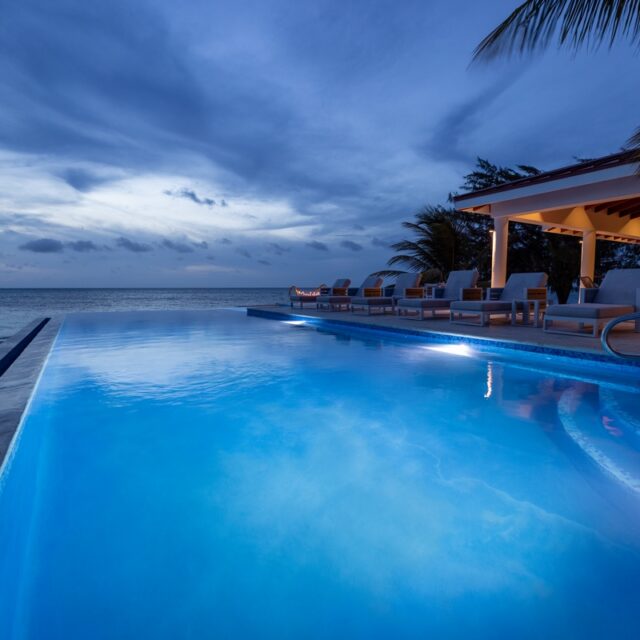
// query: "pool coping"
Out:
[24,355]
[441,337]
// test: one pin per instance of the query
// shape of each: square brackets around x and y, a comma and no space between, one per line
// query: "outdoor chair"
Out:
[340,299]
[404,282]
[618,294]
[460,285]
[520,290]
[310,296]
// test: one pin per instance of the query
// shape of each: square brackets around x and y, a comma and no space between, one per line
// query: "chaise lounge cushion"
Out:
[589,310]
[481,306]
[372,302]
[425,303]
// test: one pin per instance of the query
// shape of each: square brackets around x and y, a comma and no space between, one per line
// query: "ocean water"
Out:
[212,475]
[18,307]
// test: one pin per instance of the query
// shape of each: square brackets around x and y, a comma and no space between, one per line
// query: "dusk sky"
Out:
[261,143]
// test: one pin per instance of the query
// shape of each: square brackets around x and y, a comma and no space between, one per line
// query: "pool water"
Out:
[212,475]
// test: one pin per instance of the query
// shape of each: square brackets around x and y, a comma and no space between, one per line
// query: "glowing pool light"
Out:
[453,349]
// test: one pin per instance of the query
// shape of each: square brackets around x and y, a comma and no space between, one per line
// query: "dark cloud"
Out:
[266,263]
[278,249]
[82,246]
[317,245]
[243,252]
[82,180]
[189,194]
[132,245]
[225,241]
[352,246]
[179,247]
[377,242]
[43,245]
[223,203]
[203,244]
[358,227]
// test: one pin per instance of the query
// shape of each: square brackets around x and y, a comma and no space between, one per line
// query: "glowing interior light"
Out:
[453,349]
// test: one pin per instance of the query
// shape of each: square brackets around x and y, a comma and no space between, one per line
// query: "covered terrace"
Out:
[598,199]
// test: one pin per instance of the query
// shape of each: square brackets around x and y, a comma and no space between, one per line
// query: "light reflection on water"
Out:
[249,478]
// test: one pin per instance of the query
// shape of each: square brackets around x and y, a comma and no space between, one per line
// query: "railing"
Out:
[610,325]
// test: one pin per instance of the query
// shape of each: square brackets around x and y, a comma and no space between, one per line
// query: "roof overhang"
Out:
[603,197]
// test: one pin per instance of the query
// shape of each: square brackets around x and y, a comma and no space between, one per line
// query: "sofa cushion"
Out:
[405,281]
[588,310]
[372,302]
[459,280]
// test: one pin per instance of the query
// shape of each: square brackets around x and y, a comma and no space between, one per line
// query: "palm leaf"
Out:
[575,22]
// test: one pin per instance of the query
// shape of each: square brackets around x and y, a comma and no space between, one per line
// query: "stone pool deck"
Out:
[499,331]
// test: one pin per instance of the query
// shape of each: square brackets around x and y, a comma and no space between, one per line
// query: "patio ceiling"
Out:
[601,196]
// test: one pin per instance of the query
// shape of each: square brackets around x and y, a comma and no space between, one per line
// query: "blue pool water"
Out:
[210,475]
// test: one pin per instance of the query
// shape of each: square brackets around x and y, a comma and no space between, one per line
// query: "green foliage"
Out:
[574,22]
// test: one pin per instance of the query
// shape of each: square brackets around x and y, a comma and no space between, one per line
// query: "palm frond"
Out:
[574,22]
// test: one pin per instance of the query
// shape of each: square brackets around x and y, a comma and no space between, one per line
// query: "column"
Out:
[588,254]
[499,251]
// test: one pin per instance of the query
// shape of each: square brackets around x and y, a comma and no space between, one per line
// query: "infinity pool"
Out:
[211,475]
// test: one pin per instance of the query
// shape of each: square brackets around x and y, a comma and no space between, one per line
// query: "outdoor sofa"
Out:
[618,294]
[460,285]
[302,296]
[404,282]
[520,290]
[340,299]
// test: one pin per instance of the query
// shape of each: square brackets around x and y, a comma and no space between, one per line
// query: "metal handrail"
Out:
[610,325]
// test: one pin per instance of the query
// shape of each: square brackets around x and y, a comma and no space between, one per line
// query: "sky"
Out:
[266,142]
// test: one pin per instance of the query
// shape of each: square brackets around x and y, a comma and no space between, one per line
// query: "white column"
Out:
[499,251]
[588,254]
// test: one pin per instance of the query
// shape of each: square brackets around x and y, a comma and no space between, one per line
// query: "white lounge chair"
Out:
[339,301]
[519,289]
[460,285]
[618,294]
[303,296]
[403,282]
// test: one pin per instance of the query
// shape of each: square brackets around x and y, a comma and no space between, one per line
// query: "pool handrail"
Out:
[627,317]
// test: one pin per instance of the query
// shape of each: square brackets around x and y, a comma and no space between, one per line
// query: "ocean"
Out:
[18,307]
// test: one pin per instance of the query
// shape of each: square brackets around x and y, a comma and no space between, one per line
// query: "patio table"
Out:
[537,306]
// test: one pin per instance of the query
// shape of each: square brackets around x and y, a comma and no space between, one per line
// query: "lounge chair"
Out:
[403,283]
[618,294]
[339,299]
[520,288]
[310,296]
[460,285]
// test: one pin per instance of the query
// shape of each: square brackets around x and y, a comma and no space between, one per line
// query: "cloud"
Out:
[223,203]
[278,249]
[377,242]
[131,245]
[266,263]
[189,194]
[243,252]
[349,244]
[82,180]
[225,241]
[317,245]
[179,247]
[82,246]
[43,245]
[203,244]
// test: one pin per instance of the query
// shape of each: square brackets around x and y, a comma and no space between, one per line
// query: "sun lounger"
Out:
[618,294]
[460,285]
[337,301]
[310,296]
[518,291]
[403,282]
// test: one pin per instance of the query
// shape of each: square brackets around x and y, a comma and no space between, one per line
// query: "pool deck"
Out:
[500,332]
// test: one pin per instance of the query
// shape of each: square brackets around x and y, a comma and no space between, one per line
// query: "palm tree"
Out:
[444,240]
[535,23]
